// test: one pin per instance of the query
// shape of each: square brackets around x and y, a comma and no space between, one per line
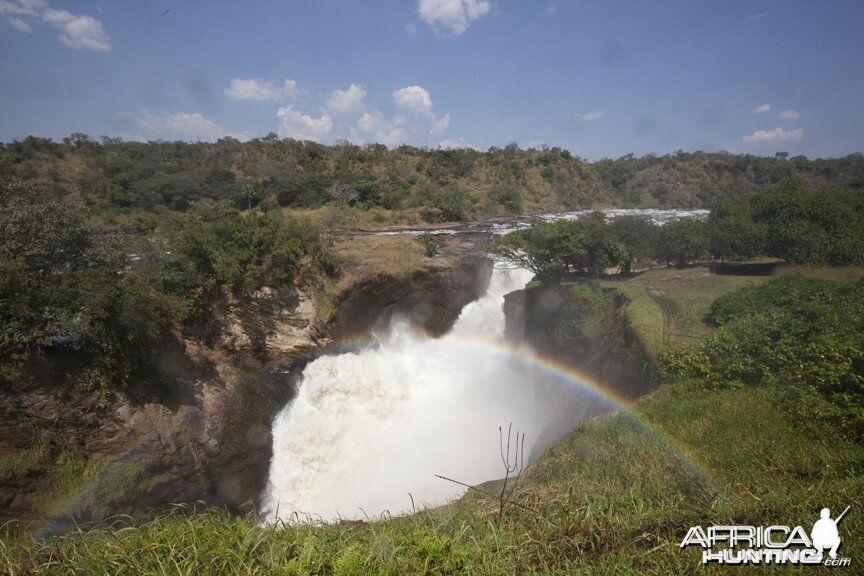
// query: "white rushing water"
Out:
[368,428]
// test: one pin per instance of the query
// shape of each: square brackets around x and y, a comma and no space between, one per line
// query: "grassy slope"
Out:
[615,497]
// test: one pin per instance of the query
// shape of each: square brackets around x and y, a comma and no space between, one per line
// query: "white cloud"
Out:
[260,89]
[371,121]
[373,126]
[417,102]
[776,135]
[758,16]
[78,31]
[192,126]
[439,125]
[346,101]
[295,124]
[75,31]
[589,116]
[414,100]
[456,15]
[22,7]
[411,30]
[455,144]
[762,109]
[20,25]
[789,115]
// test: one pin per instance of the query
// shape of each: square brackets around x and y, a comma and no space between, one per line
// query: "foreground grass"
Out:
[615,497]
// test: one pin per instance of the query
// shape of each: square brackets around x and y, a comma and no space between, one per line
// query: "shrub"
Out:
[429,242]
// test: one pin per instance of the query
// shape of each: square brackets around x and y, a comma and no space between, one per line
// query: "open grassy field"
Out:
[687,294]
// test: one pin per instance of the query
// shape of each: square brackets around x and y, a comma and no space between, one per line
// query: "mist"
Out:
[368,428]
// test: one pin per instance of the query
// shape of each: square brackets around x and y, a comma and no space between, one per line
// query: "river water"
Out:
[368,428]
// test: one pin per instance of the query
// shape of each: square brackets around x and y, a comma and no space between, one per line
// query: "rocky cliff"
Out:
[203,434]
[583,326]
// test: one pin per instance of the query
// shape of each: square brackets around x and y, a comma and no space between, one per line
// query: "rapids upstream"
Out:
[368,428]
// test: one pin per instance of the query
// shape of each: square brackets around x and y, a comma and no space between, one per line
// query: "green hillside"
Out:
[123,179]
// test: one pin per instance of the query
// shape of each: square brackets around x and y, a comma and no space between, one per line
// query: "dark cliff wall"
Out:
[431,298]
[583,326]
[206,435]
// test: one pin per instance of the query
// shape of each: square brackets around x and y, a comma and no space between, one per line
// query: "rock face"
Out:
[584,327]
[206,437]
[431,299]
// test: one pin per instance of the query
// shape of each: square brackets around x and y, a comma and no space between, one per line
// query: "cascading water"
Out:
[368,428]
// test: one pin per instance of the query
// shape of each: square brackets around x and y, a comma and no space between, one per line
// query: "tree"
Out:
[602,250]
[682,241]
[41,234]
[340,218]
[545,248]
[811,226]
[449,203]
[731,232]
[508,195]
[249,194]
[638,235]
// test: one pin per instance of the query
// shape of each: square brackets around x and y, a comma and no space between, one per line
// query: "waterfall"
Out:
[367,428]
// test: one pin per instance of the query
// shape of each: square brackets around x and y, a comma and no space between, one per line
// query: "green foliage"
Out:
[545,248]
[602,250]
[732,233]
[72,300]
[552,249]
[803,225]
[117,177]
[62,291]
[448,204]
[682,241]
[249,251]
[429,242]
[806,334]
[639,236]
[509,196]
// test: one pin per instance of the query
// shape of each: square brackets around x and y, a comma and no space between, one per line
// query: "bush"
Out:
[792,332]
[429,242]
[682,241]
[448,204]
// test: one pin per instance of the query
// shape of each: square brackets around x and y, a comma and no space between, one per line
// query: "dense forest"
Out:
[122,182]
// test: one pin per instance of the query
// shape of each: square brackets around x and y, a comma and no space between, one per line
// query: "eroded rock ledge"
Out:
[206,436]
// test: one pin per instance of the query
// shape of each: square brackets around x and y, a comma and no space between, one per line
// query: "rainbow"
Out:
[115,473]
[562,372]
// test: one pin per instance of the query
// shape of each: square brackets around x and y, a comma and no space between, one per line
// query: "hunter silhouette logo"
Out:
[771,544]
[825,533]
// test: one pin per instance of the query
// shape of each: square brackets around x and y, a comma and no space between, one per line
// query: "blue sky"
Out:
[601,78]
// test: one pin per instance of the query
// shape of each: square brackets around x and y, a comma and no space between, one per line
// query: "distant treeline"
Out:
[789,221]
[117,178]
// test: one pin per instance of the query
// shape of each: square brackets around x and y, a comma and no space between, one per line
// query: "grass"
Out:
[56,471]
[688,293]
[365,257]
[375,218]
[615,497]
